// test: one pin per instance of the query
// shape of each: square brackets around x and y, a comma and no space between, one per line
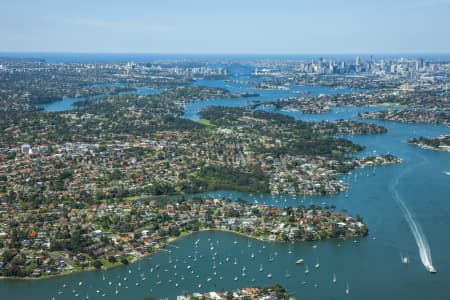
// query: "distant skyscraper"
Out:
[370,64]
[357,64]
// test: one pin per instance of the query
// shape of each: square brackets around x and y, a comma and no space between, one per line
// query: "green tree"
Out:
[97,264]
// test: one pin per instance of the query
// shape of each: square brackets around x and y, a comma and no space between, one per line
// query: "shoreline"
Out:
[170,240]
[427,147]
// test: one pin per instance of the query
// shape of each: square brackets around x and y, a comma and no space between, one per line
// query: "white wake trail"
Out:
[419,236]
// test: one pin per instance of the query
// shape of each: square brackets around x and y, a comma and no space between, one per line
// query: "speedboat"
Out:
[431,269]
[299,261]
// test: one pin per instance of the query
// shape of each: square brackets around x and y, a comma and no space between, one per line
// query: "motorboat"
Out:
[431,269]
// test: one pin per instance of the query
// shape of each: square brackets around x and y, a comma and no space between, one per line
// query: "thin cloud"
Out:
[116,25]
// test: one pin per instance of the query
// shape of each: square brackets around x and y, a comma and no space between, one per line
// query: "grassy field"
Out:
[205,122]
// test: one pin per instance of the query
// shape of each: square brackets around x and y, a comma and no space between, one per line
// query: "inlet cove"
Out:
[164,179]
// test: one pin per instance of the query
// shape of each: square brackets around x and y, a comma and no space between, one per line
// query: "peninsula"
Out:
[65,238]
[275,292]
[441,143]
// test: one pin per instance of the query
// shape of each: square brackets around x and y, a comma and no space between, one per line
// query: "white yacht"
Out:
[299,261]
[405,260]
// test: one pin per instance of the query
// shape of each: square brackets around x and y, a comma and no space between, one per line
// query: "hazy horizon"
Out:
[230,53]
[232,27]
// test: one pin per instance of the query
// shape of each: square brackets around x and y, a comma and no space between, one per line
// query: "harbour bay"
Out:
[224,150]
[367,264]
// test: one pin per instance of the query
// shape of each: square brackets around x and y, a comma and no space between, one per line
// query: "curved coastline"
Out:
[171,240]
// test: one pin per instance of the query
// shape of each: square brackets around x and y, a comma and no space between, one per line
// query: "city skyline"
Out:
[253,27]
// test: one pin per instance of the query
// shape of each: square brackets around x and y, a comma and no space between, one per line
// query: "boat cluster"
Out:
[191,272]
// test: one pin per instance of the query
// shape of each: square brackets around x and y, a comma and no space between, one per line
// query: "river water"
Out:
[67,102]
[371,266]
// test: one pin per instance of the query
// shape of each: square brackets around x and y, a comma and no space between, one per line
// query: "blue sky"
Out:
[228,26]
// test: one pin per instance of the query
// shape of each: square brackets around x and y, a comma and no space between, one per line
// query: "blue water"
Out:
[244,84]
[234,87]
[371,266]
[67,102]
